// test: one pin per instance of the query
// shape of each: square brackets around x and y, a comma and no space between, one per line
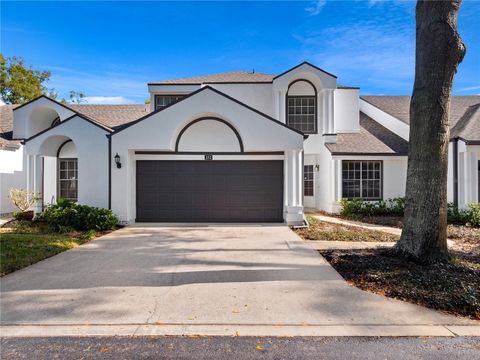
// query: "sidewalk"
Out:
[341,245]
[347,245]
[335,220]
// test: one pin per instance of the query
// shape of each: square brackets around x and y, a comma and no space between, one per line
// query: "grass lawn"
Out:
[20,250]
[320,230]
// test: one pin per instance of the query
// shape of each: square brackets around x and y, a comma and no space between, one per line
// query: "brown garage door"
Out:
[210,191]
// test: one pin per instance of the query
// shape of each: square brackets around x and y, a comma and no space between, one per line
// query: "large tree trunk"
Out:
[439,50]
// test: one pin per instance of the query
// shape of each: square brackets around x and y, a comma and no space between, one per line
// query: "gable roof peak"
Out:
[305,63]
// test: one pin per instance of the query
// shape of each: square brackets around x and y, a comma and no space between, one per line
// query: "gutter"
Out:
[455,172]
[109,171]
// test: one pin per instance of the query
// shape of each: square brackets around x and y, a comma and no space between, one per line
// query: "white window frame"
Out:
[60,179]
[361,179]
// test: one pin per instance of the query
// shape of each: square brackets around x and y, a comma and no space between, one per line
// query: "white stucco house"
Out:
[230,147]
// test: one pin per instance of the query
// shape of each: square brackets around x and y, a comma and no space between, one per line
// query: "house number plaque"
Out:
[208,157]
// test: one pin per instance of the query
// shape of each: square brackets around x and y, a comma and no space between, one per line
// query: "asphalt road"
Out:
[231,348]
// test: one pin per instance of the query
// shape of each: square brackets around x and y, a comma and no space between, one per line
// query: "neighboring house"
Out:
[231,147]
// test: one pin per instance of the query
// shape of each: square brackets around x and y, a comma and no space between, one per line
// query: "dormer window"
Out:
[162,101]
[301,102]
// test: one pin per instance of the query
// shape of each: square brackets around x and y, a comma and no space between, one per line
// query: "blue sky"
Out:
[110,50]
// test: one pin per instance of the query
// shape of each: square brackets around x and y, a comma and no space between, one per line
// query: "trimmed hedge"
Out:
[66,215]
[358,208]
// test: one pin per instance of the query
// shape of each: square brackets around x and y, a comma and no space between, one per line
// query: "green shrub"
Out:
[469,216]
[65,215]
[351,208]
[356,208]
[456,215]
[62,202]
[24,227]
[473,218]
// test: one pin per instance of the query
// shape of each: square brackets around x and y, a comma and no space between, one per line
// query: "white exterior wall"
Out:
[467,174]
[91,144]
[12,175]
[346,111]
[450,180]
[475,181]
[394,178]
[49,180]
[169,90]
[323,192]
[209,135]
[37,116]
[11,161]
[258,96]
[324,85]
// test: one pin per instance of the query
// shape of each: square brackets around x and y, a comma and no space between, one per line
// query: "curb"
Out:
[238,330]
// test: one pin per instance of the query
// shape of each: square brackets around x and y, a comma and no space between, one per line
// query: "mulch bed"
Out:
[453,287]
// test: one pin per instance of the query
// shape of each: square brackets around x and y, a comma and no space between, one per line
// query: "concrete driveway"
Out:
[225,280]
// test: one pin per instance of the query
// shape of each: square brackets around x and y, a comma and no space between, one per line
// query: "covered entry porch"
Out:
[69,160]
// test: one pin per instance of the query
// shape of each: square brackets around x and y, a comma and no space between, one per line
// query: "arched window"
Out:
[41,117]
[55,121]
[67,184]
[301,112]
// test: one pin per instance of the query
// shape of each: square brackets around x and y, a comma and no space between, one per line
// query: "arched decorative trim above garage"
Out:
[209,134]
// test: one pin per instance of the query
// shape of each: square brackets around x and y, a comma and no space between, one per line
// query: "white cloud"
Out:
[128,87]
[106,100]
[469,88]
[373,2]
[366,54]
[315,7]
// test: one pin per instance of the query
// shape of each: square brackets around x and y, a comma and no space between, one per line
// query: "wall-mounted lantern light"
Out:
[317,167]
[117,161]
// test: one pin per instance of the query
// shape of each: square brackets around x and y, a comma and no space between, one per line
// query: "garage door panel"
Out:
[147,198]
[165,198]
[164,182]
[218,199]
[210,191]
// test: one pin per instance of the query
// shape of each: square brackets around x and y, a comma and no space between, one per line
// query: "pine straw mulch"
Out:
[453,287]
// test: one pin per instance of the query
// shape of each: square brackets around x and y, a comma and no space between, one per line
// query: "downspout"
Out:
[43,184]
[455,172]
[109,172]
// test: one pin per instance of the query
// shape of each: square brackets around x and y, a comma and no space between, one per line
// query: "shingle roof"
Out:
[107,115]
[372,138]
[112,115]
[6,117]
[462,108]
[226,77]
[6,127]
[468,126]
